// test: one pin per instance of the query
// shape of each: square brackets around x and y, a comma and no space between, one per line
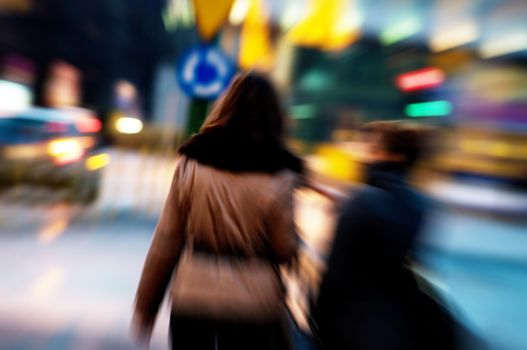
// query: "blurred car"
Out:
[52,147]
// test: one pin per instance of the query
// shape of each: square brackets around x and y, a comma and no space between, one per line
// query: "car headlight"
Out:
[64,151]
[128,125]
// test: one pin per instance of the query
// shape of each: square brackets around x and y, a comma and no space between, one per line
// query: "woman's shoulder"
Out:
[292,162]
[237,154]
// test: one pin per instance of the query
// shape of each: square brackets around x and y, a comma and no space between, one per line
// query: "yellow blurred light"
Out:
[52,230]
[63,146]
[312,30]
[128,125]
[256,50]
[239,11]
[473,146]
[498,149]
[344,32]
[65,150]
[457,35]
[97,162]
[451,61]
[211,16]
[24,151]
[504,45]
[335,162]
[453,162]
[329,24]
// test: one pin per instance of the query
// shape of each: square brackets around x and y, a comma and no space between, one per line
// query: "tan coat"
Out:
[246,212]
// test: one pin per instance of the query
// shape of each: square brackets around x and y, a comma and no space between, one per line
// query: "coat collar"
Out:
[386,174]
[234,153]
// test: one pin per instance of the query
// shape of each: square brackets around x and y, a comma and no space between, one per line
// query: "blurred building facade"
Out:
[338,63]
[104,40]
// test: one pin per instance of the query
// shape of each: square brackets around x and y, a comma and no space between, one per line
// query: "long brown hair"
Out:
[250,108]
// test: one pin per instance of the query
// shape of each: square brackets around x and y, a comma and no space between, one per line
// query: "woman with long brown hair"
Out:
[226,226]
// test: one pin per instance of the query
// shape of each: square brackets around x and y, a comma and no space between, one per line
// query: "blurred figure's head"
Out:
[392,141]
[249,108]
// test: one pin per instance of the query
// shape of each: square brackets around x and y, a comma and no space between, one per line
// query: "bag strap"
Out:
[184,212]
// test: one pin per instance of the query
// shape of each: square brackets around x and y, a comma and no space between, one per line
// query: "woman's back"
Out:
[231,194]
[238,212]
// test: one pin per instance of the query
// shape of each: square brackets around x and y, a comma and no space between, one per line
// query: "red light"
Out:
[56,127]
[420,79]
[89,125]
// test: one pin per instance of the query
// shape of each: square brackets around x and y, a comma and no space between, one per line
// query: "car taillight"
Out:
[64,151]
[56,127]
[89,125]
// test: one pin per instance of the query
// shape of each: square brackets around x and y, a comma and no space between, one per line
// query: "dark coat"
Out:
[369,298]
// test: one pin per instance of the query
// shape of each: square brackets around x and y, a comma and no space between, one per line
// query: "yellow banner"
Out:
[210,16]
[256,50]
[329,24]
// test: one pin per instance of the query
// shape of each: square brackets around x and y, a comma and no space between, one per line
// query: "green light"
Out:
[400,31]
[315,80]
[428,109]
[303,111]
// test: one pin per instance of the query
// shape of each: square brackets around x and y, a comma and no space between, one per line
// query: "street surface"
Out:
[69,273]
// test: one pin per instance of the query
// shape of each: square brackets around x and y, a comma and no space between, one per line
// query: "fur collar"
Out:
[225,151]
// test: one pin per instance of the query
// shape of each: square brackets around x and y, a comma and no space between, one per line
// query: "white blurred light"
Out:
[479,196]
[53,230]
[504,45]
[458,35]
[128,125]
[239,11]
[65,151]
[59,147]
[401,30]
[292,14]
[14,97]
[47,284]
[349,22]
[178,13]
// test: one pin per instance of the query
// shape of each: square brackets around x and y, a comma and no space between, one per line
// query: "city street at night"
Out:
[70,273]
[353,174]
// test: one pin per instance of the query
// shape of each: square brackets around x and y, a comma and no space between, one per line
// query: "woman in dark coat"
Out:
[369,298]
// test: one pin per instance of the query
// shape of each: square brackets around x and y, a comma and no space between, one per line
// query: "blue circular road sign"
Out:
[204,72]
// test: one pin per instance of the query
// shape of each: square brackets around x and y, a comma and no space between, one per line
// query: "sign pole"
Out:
[203,73]
[197,113]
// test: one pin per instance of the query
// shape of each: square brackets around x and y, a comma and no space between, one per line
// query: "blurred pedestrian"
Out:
[226,225]
[369,297]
